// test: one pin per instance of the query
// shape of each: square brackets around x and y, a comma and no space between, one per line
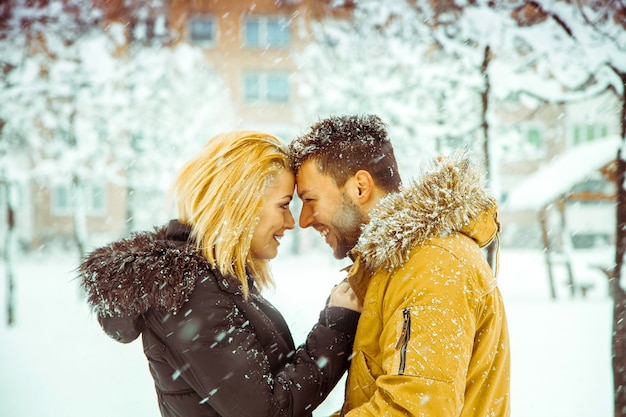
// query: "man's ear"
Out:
[365,185]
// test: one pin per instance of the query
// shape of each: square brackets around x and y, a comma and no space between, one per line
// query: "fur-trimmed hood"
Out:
[148,270]
[449,197]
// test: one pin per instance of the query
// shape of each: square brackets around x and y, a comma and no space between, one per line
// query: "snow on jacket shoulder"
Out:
[432,339]
[211,352]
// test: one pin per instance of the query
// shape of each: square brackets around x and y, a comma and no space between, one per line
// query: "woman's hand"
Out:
[343,296]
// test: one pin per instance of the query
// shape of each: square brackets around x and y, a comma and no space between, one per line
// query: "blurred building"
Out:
[249,44]
[564,164]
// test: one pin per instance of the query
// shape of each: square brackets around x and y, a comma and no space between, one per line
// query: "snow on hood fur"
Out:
[130,276]
[449,197]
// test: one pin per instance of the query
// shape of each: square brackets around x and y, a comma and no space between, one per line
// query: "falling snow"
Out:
[547,338]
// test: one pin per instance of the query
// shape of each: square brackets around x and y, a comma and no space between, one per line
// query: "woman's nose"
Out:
[290,223]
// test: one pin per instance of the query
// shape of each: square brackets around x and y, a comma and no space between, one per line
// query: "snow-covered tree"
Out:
[599,30]
[424,68]
[174,102]
[382,61]
[56,102]
[98,108]
[581,48]
[37,116]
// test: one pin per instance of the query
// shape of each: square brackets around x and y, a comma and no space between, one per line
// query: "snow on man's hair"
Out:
[342,145]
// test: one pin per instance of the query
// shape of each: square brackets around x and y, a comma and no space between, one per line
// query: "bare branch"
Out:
[593,24]
[554,16]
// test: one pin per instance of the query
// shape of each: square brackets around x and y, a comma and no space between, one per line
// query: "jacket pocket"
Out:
[403,340]
[431,342]
[361,384]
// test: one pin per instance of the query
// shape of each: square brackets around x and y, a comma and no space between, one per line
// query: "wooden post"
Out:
[547,249]
[566,245]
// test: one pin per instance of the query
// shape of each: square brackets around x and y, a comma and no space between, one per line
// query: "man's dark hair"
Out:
[343,145]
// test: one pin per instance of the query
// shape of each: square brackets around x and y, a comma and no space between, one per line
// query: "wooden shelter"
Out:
[585,173]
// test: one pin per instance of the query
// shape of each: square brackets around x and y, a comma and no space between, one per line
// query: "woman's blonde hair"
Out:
[219,193]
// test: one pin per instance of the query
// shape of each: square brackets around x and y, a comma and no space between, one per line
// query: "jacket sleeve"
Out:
[427,339]
[319,363]
[224,361]
[122,329]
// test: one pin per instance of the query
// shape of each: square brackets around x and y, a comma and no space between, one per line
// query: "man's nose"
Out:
[306,217]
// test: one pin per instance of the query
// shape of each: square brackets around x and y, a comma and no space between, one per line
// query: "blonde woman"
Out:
[191,289]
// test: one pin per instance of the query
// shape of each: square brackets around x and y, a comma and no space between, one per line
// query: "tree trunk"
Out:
[617,291]
[619,352]
[485,128]
[9,250]
[80,217]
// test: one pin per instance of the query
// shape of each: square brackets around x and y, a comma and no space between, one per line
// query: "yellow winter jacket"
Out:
[432,339]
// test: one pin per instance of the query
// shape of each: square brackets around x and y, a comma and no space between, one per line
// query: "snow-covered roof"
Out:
[561,174]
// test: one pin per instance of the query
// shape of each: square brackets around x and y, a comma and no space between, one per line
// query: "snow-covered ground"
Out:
[56,362]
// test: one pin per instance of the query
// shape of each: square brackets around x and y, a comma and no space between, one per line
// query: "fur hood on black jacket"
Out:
[148,270]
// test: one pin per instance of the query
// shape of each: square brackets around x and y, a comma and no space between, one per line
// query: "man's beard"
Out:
[346,226]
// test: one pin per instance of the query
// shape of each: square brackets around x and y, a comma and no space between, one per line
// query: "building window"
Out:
[149,29]
[61,201]
[203,30]
[534,142]
[266,32]
[534,137]
[266,87]
[63,198]
[525,141]
[588,132]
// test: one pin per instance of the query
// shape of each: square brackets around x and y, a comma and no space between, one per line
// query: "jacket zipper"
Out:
[403,341]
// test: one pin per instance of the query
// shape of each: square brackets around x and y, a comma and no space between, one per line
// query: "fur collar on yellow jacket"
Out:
[449,197]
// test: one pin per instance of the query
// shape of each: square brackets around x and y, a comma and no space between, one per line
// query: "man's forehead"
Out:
[310,165]
[309,178]
[305,185]
[308,171]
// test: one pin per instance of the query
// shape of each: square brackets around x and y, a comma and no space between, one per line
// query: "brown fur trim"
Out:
[130,276]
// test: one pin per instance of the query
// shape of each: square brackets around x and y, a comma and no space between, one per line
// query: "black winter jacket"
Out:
[210,351]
